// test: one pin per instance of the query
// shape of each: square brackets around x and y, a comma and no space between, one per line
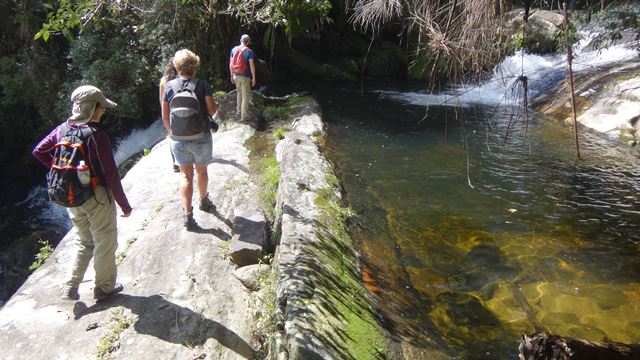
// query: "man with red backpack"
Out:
[243,74]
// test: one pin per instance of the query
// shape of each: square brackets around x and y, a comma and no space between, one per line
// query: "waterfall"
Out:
[542,71]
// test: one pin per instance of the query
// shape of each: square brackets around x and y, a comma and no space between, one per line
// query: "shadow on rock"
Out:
[220,234]
[229,162]
[170,322]
[227,222]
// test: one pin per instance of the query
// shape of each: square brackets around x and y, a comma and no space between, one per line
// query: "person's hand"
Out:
[124,215]
[253,82]
[233,81]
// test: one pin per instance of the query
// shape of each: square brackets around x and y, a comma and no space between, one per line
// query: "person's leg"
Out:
[202,180]
[246,99]
[238,94]
[83,243]
[186,190]
[184,154]
[103,220]
[245,86]
[176,167]
[203,156]
[203,149]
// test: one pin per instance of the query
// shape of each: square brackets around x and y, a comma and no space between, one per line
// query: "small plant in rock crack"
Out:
[225,249]
[264,301]
[281,132]
[110,341]
[43,254]
[123,254]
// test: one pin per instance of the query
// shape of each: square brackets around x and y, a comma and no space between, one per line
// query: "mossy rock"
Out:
[382,65]
[353,45]
[349,65]
[332,73]
[387,59]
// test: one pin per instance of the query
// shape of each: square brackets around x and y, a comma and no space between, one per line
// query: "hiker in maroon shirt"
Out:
[95,220]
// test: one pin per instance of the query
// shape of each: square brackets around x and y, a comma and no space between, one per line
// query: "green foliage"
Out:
[123,254]
[298,19]
[45,251]
[264,299]
[268,170]
[280,132]
[610,25]
[295,100]
[276,112]
[517,42]
[146,152]
[67,17]
[118,322]
[572,37]
[218,96]
[122,70]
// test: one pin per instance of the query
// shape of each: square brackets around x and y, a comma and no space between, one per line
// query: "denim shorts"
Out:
[196,151]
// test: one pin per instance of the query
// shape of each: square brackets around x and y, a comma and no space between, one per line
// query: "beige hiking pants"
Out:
[97,236]
[243,85]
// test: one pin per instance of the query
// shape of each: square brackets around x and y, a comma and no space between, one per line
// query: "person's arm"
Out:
[212,108]
[110,171]
[165,116]
[233,81]
[161,92]
[44,150]
[252,66]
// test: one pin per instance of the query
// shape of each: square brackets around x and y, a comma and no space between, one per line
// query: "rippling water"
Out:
[476,227]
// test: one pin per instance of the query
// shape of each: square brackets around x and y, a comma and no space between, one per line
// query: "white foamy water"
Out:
[138,140]
[541,71]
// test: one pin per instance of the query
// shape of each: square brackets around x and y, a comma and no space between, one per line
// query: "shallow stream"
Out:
[476,227]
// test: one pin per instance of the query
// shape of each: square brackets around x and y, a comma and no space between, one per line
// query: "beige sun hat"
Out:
[84,99]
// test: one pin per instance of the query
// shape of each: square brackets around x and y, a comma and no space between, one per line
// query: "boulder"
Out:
[250,275]
[540,29]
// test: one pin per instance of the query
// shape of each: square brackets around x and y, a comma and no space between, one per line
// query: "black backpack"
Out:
[185,119]
[63,184]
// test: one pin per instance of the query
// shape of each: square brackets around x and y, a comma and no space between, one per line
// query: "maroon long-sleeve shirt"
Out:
[100,155]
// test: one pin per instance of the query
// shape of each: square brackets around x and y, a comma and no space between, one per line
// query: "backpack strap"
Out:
[242,49]
[189,85]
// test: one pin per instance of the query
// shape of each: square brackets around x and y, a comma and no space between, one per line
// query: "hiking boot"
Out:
[100,294]
[176,168]
[189,222]
[70,293]
[206,205]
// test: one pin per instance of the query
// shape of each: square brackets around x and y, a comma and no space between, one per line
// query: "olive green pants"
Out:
[243,87]
[97,236]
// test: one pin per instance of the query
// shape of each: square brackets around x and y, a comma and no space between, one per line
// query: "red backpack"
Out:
[238,65]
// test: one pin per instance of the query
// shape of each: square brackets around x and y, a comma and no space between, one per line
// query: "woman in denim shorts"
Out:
[192,151]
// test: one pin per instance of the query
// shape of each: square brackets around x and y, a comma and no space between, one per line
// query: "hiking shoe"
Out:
[189,222]
[100,294]
[70,293]
[176,168]
[206,205]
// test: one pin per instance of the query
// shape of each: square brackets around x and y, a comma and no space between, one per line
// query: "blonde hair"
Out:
[186,61]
